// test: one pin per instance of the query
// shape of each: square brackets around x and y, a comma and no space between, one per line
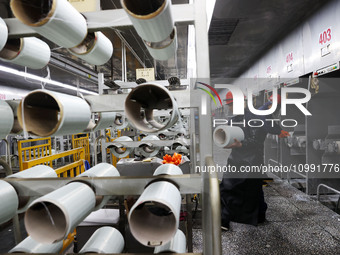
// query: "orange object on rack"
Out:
[176,159]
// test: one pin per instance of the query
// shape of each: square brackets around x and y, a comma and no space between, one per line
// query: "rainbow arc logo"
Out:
[209,93]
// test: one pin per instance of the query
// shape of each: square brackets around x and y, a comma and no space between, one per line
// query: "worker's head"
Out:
[230,102]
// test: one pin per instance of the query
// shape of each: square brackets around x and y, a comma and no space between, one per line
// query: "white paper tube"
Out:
[147,149]
[30,51]
[101,170]
[48,113]
[105,120]
[146,98]
[40,171]
[118,150]
[9,202]
[96,49]
[178,244]
[29,245]
[224,136]
[104,240]
[7,119]
[168,169]
[154,218]
[14,104]
[3,33]
[164,50]
[51,218]
[152,19]
[57,20]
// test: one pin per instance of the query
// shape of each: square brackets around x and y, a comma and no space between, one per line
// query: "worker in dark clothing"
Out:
[242,199]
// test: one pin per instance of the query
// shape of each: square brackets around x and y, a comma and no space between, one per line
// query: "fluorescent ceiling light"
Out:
[45,80]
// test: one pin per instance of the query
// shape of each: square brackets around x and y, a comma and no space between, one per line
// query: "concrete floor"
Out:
[296,224]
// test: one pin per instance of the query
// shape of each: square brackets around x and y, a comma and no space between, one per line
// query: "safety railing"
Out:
[82,141]
[70,170]
[27,152]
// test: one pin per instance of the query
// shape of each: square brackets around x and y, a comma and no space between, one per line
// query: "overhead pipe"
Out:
[154,218]
[101,170]
[224,136]
[119,150]
[3,34]
[51,218]
[7,119]
[40,171]
[141,103]
[56,20]
[46,113]
[147,148]
[104,240]
[29,245]
[9,202]
[96,49]
[178,244]
[154,23]
[29,51]
[14,104]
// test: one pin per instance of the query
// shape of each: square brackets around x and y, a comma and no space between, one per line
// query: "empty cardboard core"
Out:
[140,104]
[45,222]
[86,46]
[143,8]
[11,49]
[153,223]
[220,137]
[147,148]
[119,120]
[42,114]
[33,12]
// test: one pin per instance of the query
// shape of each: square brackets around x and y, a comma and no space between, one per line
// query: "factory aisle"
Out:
[296,224]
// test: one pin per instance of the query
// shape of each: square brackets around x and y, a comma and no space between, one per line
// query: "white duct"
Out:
[104,240]
[7,119]
[143,100]
[105,120]
[48,113]
[224,136]
[57,20]
[51,218]
[29,245]
[9,202]
[3,33]
[40,171]
[147,148]
[29,51]
[118,150]
[14,104]
[154,218]
[178,244]
[101,170]
[96,49]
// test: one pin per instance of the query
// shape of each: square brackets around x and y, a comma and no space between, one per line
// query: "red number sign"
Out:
[325,36]
[289,57]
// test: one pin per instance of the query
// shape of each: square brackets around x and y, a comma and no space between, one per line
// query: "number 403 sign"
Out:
[325,36]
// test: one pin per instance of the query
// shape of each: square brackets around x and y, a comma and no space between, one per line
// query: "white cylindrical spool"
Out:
[164,50]
[101,170]
[104,240]
[178,244]
[120,122]
[7,119]
[3,33]
[51,218]
[14,104]
[9,201]
[105,120]
[57,20]
[154,218]
[40,171]
[147,148]
[29,245]
[96,49]
[152,19]
[29,51]
[224,135]
[146,98]
[168,169]
[48,113]
[118,150]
